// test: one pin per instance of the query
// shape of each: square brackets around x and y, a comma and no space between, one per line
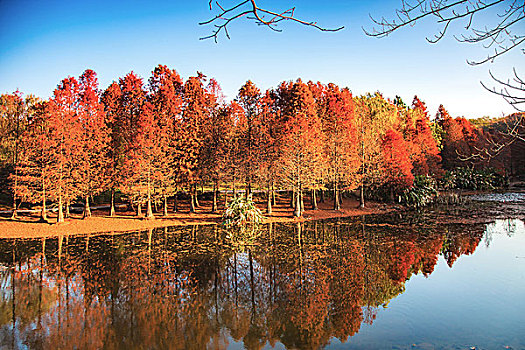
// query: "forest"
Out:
[150,143]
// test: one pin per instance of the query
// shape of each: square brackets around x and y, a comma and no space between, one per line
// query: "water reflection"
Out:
[301,285]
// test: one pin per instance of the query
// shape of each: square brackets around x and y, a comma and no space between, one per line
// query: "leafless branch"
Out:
[512,90]
[505,35]
[250,10]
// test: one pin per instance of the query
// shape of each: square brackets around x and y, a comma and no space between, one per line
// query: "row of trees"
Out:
[152,140]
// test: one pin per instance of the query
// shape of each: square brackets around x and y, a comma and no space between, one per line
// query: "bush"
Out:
[473,179]
[422,193]
[242,211]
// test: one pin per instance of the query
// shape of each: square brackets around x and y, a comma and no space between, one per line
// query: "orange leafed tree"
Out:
[65,131]
[301,158]
[166,97]
[397,164]
[93,144]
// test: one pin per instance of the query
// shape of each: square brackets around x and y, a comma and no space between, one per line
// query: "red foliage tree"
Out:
[398,167]
[65,131]
[92,146]
[166,87]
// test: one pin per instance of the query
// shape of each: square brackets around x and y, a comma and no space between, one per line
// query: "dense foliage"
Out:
[151,140]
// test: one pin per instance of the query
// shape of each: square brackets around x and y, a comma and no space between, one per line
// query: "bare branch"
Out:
[251,11]
[501,35]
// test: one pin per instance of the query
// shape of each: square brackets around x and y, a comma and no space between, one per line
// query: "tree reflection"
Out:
[299,284]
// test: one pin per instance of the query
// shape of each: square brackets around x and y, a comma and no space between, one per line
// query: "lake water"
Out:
[374,282]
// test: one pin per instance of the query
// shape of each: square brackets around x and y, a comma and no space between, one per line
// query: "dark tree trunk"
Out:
[175,202]
[292,199]
[87,209]
[321,196]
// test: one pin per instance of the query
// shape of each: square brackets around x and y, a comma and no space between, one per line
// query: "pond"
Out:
[371,282]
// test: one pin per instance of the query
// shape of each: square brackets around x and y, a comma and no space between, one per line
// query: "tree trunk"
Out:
[60,217]
[269,204]
[192,202]
[68,204]
[43,212]
[292,199]
[165,205]
[273,195]
[196,196]
[337,203]
[214,204]
[362,196]
[314,200]
[139,209]
[321,196]
[297,212]
[302,201]
[14,216]
[149,211]
[175,202]
[112,208]
[87,209]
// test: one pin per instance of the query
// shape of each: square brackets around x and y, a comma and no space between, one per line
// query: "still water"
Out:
[372,282]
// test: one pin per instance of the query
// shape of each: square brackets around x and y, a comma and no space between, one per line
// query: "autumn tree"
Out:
[192,137]
[302,140]
[130,113]
[337,113]
[166,96]
[423,148]
[218,136]
[250,130]
[15,112]
[270,144]
[397,164]
[92,146]
[375,116]
[37,160]
[111,101]
[65,132]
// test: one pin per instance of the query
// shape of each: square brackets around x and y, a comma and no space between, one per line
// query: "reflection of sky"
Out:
[43,42]
[478,302]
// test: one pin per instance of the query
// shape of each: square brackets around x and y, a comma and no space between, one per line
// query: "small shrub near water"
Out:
[473,179]
[422,193]
[242,211]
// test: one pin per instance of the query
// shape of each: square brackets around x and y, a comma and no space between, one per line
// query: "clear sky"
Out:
[43,42]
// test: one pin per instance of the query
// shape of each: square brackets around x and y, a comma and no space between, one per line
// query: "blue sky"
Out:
[46,41]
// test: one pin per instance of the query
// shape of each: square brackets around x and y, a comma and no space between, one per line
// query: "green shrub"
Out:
[242,211]
[473,179]
[422,193]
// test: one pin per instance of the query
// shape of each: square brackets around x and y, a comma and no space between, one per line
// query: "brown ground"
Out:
[28,227]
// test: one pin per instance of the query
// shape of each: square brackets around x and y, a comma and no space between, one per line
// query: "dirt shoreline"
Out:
[29,227]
